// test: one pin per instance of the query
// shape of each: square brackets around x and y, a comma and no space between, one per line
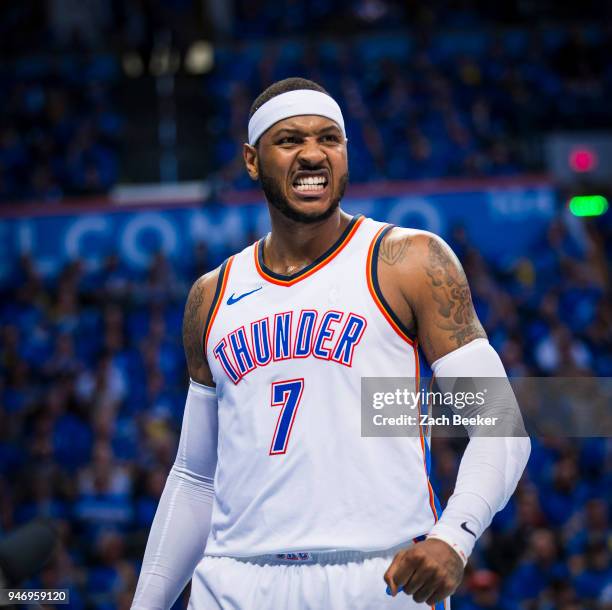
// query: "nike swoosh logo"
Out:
[467,529]
[234,299]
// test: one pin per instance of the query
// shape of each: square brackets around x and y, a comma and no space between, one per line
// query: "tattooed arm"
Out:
[194,321]
[425,285]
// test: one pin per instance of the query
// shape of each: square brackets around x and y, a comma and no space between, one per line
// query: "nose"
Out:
[311,154]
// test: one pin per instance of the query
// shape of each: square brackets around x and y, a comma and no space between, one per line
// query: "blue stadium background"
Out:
[447,107]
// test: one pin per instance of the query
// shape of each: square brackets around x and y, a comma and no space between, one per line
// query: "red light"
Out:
[583,160]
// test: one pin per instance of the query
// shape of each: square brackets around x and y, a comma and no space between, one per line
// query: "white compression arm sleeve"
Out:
[491,466]
[182,522]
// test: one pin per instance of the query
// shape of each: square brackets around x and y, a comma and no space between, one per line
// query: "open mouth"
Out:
[310,185]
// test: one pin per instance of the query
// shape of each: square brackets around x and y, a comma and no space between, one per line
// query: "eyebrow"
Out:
[297,131]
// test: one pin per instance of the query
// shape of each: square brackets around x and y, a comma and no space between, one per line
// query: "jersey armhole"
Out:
[376,292]
[216,302]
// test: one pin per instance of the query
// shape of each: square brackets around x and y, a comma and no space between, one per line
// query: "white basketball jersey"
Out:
[287,354]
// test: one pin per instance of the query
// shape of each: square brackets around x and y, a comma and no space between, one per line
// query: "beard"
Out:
[275,197]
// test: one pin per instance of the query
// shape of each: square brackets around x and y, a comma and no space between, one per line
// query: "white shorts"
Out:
[338,581]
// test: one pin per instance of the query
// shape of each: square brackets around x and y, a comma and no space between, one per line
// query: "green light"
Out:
[588,205]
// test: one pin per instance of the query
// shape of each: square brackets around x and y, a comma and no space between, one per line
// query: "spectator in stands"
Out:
[541,569]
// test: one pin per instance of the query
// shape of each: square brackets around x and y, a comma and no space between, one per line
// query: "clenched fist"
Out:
[429,571]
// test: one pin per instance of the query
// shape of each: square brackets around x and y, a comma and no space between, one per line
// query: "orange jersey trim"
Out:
[221,286]
[290,282]
[430,490]
[381,306]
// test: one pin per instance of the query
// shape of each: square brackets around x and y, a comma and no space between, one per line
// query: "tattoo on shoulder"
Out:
[451,292]
[192,327]
[394,251]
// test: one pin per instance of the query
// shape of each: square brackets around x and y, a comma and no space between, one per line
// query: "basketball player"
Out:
[275,500]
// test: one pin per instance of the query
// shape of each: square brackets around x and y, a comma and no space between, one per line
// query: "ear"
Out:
[249,154]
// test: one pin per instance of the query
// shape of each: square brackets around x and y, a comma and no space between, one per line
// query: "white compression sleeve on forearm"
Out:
[182,522]
[491,466]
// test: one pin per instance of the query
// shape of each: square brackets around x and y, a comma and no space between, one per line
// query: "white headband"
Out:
[293,103]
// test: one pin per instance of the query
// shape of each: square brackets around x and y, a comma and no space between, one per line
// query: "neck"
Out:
[292,245]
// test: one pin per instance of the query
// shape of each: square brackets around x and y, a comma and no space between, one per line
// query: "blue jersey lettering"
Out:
[349,338]
[282,335]
[260,332]
[261,347]
[303,341]
[222,357]
[240,349]
[325,334]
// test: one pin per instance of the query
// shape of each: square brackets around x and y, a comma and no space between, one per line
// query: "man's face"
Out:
[302,165]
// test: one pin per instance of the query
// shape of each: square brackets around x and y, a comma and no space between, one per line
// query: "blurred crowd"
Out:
[426,92]
[113,24]
[59,130]
[92,388]
[464,103]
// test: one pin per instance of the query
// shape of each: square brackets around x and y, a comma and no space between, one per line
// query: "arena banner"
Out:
[505,222]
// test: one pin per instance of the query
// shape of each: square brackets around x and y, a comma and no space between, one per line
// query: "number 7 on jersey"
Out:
[286,395]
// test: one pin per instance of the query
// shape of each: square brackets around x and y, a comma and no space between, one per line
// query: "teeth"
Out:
[310,187]
[307,183]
